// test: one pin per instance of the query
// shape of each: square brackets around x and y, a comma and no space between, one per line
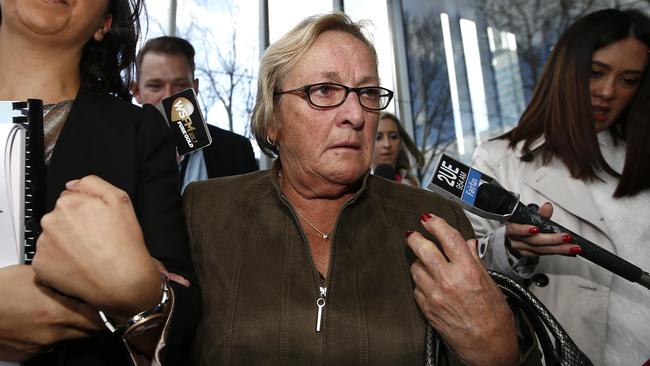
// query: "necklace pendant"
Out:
[326,236]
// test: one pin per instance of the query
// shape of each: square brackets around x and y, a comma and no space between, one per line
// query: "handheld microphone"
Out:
[183,114]
[386,171]
[483,196]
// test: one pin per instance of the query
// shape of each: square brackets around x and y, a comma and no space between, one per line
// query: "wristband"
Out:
[156,313]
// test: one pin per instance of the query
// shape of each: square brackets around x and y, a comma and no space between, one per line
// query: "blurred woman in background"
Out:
[393,146]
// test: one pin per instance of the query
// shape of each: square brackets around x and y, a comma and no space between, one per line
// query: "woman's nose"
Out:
[354,112]
[605,89]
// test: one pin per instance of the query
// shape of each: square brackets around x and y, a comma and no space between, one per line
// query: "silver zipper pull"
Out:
[320,303]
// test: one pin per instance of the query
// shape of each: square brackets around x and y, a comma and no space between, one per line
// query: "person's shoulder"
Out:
[496,146]
[243,184]
[495,151]
[112,113]
[406,197]
[408,203]
[225,191]
[225,135]
[106,103]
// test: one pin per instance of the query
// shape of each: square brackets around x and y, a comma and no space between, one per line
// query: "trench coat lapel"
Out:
[570,194]
[556,183]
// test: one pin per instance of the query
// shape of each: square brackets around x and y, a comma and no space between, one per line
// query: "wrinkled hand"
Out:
[459,298]
[33,317]
[526,240]
[92,248]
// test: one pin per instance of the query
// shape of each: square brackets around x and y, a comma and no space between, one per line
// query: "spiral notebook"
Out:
[22,180]
[12,186]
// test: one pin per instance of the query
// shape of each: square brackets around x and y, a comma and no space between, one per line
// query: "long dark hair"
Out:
[560,109]
[107,66]
[407,146]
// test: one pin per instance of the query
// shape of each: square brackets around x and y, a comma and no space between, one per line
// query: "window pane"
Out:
[507,77]
[157,22]
[473,64]
[226,39]
[379,33]
[286,14]
[435,97]
[474,77]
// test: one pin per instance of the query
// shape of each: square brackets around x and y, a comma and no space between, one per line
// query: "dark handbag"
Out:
[561,352]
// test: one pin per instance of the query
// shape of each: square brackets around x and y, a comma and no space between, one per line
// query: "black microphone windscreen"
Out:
[494,199]
[386,171]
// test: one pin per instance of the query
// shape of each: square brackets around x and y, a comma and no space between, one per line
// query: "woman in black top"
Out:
[72,55]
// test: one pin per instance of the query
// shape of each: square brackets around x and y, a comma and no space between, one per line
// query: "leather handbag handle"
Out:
[561,350]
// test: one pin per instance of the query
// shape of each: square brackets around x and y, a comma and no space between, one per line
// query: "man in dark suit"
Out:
[165,66]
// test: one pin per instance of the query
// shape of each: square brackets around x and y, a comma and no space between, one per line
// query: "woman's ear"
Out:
[103,28]
[273,131]
[272,134]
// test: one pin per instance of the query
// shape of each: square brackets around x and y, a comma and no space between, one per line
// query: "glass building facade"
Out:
[462,70]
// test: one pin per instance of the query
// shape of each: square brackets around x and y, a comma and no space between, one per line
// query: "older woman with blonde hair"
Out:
[304,264]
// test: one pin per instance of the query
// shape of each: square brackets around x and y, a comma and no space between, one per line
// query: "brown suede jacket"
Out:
[260,286]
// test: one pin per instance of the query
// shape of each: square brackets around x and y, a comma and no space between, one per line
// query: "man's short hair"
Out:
[169,46]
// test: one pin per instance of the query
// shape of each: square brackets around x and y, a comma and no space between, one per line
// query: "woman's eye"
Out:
[323,90]
[631,81]
[596,74]
[370,93]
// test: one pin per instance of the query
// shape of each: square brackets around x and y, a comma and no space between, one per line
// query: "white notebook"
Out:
[12,190]
[12,187]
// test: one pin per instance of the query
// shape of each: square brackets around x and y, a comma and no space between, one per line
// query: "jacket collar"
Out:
[276,168]
[555,182]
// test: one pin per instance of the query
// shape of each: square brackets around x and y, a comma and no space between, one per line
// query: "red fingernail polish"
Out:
[567,238]
[533,230]
[408,233]
[576,250]
[425,217]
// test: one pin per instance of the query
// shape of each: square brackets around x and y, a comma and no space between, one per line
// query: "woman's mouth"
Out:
[600,113]
[351,145]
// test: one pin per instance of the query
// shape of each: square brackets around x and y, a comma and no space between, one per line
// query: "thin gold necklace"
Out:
[326,236]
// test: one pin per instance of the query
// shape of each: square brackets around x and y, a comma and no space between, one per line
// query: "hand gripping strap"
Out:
[562,352]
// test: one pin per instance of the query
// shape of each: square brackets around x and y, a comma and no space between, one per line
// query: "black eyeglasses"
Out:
[330,95]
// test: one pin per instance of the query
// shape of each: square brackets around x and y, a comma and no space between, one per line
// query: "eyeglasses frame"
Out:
[305,89]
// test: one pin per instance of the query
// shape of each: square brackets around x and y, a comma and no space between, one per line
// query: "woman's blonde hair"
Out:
[280,58]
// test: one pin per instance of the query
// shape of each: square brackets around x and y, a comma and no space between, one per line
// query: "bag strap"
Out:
[561,352]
